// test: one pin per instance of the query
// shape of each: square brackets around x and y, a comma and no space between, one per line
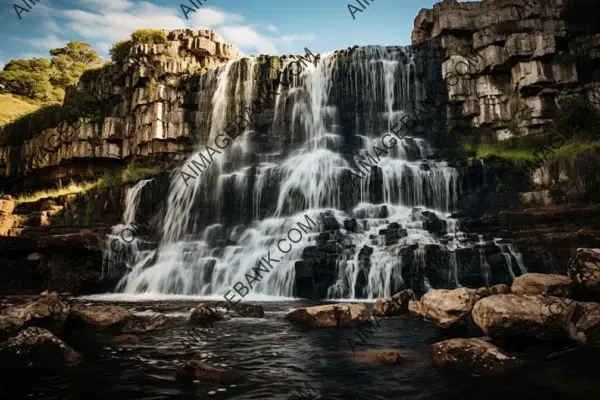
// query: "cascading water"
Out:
[218,228]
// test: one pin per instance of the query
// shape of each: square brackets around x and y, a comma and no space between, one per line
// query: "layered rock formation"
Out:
[151,117]
[506,61]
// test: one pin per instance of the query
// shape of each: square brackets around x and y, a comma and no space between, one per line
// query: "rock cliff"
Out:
[506,60]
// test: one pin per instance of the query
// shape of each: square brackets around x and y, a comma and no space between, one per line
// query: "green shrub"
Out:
[148,36]
[120,50]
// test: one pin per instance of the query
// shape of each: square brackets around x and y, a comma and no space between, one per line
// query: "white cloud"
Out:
[103,22]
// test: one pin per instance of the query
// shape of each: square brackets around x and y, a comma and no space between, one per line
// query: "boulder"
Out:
[499,289]
[587,317]
[546,284]
[9,326]
[203,315]
[250,311]
[584,269]
[521,316]
[445,307]
[48,312]
[476,356]
[330,315]
[395,305]
[37,347]
[197,370]
[100,316]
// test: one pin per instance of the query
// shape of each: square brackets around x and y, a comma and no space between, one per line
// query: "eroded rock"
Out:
[476,356]
[100,316]
[37,347]
[203,314]
[250,311]
[395,305]
[513,316]
[445,307]
[545,284]
[587,317]
[48,312]
[584,269]
[330,315]
[139,324]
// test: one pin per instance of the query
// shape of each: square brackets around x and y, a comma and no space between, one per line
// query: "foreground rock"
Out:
[546,284]
[445,307]
[395,305]
[9,326]
[584,269]
[117,319]
[587,316]
[250,311]
[204,315]
[330,315]
[198,370]
[475,356]
[518,316]
[49,312]
[36,347]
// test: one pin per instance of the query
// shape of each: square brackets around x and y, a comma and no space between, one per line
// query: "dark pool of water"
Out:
[278,359]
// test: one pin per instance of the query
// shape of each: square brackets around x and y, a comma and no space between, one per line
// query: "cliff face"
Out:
[148,118]
[506,61]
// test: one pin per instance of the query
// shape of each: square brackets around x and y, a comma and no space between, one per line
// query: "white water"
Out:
[193,257]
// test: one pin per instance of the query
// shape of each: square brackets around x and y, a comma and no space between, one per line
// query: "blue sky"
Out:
[254,26]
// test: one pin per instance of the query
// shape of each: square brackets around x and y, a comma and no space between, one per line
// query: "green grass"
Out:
[12,107]
[71,188]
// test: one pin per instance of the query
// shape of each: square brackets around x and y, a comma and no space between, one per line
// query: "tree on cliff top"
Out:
[44,80]
[120,50]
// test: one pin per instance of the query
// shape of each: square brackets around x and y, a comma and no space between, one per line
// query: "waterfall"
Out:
[121,245]
[333,113]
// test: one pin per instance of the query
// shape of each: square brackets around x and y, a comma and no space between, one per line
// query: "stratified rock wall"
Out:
[149,117]
[506,60]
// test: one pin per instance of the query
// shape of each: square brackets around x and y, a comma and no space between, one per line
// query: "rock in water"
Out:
[587,317]
[48,312]
[476,356]
[395,305]
[445,307]
[100,316]
[250,311]
[584,269]
[329,315]
[546,284]
[203,315]
[37,347]
[192,370]
[511,316]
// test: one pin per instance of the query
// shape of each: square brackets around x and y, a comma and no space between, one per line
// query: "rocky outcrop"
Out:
[513,316]
[546,284]
[476,356]
[445,307]
[49,312]
[395,305]
[330,315]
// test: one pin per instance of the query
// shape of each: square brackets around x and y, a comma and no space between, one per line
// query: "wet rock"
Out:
[329,222]
[139,324]
[482,293]
[394,234]
[330,315]
[9,326]
[100,316]
[444,307]
[395,305]
[350,225]
[432,223]
[587,317]
[49,312]
[476,356]
[203,314]
[512,316]
[501,288]
[250,311]
[377,357]
[197,370]
[37,347]
[546,284]
[129,339]
[584,269]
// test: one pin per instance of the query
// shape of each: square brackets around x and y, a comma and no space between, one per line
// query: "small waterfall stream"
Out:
[332,115]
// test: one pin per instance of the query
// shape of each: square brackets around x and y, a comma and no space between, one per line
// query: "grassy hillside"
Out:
[11,107]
